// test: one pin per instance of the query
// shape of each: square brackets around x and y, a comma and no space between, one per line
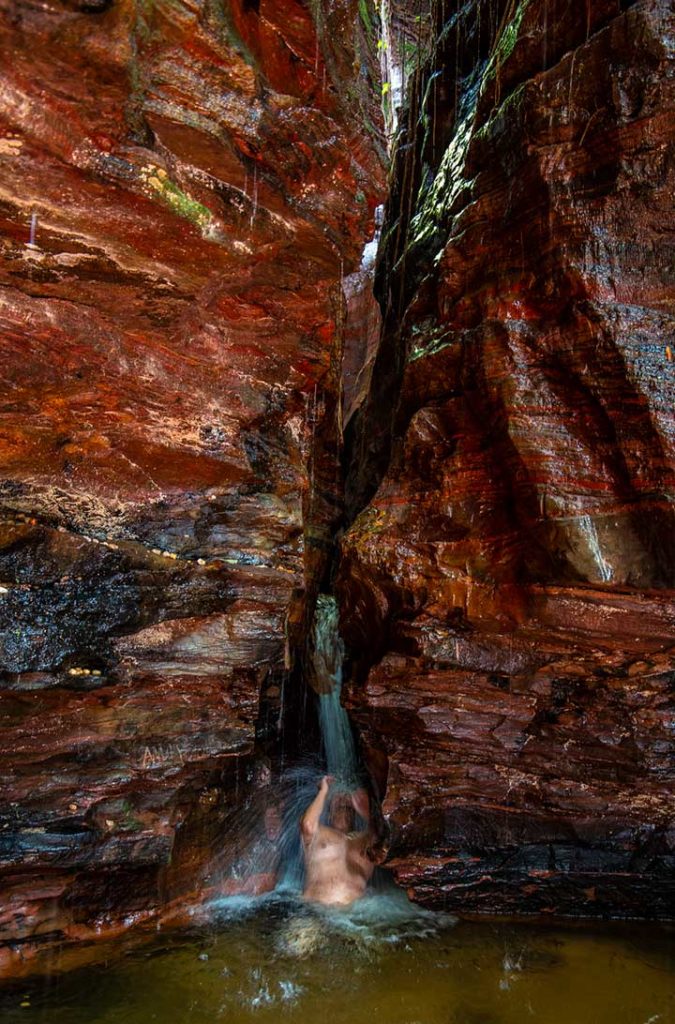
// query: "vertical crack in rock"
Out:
[183,191]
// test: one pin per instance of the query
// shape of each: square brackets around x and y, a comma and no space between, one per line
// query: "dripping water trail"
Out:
[254,205]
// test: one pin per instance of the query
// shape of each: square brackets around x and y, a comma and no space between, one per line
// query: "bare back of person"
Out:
[337,862]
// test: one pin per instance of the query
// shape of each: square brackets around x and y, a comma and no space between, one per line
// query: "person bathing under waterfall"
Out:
[339,860]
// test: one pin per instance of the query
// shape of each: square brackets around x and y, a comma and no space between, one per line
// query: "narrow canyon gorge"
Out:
[306,297]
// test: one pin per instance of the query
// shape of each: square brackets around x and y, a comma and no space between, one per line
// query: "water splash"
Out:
[380,920]
[264,835]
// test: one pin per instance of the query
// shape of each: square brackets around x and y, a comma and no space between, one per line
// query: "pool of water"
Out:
[275,959]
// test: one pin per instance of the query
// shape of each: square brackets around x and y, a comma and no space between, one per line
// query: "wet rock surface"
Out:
[185,194]
[528,765]
[506,585]
[181,188]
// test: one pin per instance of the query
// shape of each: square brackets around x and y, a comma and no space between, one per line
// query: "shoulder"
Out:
[326,836]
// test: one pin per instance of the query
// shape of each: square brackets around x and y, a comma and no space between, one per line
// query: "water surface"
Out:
[385,961]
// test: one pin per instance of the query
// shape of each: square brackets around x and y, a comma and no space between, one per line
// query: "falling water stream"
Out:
[336,733]
[338,757]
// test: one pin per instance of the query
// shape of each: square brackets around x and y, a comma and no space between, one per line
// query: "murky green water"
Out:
[384,962]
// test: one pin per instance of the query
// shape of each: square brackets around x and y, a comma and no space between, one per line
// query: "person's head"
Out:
[341,815]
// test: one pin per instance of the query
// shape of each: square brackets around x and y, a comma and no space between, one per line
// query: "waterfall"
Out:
[336,733]
[268,829]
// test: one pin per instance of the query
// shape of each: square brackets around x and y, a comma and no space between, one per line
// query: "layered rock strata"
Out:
[182,186]
[184,189]
[512,471]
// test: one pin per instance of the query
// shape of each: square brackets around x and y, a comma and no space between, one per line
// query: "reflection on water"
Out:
[276,959]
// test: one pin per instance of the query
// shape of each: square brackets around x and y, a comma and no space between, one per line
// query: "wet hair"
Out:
[342,805]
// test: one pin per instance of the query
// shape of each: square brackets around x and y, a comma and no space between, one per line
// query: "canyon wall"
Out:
[185,187]
[511,473]
[182,186]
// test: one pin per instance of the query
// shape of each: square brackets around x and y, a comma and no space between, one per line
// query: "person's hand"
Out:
[326,781]
[377,853]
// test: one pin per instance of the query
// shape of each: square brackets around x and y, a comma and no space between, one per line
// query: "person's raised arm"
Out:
[309,822]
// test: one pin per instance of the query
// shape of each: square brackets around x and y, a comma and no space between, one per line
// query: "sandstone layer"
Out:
[184,190]
[512,472]
[182,186]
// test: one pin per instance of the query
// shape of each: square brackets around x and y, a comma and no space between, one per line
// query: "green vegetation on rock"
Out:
[180,202]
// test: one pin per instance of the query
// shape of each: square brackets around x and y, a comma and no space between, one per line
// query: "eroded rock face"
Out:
[181,188]
[184,188]
[516,558]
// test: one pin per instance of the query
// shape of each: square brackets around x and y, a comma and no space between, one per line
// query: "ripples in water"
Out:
[277,959]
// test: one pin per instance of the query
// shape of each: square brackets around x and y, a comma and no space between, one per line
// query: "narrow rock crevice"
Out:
[174,248]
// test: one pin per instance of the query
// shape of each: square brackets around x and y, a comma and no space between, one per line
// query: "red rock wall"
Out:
[199,176]
[513,545]
[202,177]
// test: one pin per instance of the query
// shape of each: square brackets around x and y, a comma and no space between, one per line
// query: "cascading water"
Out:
[267,829]
[336,733]
[299,785]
